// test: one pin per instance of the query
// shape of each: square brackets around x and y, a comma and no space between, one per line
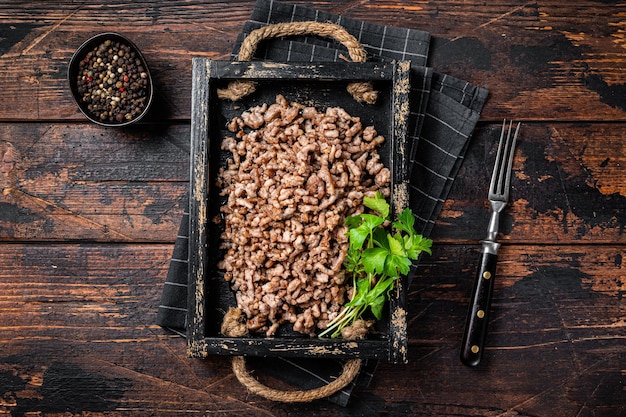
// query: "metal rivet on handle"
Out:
[486,274]
[475,349]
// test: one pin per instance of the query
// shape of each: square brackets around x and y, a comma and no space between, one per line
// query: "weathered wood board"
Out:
[77,332]
[88,217]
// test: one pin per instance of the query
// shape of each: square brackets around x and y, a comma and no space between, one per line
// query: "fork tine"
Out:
[509,166]
[501,178]
[503,174]
[493,186]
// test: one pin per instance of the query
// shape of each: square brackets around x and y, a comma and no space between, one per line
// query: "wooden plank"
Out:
[569,184]
[77,322]
[65,182]
[557,328]
[545,67]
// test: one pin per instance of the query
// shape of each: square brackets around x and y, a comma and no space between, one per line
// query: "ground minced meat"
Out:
[294,176]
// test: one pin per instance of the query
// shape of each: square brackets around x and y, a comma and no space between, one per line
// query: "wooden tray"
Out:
[321,85]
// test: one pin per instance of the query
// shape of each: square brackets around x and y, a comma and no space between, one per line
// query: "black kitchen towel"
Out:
[444,111]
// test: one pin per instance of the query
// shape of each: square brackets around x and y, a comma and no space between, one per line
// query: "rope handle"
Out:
[363,92]
[233,325]
[279,30]
[350,371]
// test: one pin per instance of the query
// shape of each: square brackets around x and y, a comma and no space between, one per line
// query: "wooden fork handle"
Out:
[478,313]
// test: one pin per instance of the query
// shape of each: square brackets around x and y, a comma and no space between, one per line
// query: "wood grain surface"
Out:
[89,216]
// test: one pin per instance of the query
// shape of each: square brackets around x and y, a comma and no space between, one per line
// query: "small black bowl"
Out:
[111,88]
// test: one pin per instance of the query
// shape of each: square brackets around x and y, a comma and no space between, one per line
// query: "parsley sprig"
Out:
[376,258]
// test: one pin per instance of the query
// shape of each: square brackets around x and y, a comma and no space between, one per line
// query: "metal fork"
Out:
[478,312]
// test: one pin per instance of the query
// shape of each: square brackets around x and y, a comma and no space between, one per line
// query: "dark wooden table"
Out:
[89,215]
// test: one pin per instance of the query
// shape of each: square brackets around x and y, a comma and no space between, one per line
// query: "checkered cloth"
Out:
[444,111]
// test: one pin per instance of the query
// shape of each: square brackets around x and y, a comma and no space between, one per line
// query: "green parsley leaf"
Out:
[372,221]
[379,295]
[405,222]
[380,238]
[378,204]
[417,244]
[396,244]
[374,260]
[377,306]
[358,235]
[353,222]
[397,265]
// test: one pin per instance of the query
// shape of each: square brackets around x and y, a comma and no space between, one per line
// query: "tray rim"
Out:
[199,345]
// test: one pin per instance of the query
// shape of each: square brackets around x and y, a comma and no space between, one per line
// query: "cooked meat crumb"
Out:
[293,177]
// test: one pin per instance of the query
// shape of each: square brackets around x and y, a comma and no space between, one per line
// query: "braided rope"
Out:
[279,30]
[233,326]
[350,371]
[363,92]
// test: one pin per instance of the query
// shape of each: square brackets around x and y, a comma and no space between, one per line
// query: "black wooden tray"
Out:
[321,85]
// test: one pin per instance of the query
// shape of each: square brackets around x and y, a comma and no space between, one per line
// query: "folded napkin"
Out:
[444,111]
